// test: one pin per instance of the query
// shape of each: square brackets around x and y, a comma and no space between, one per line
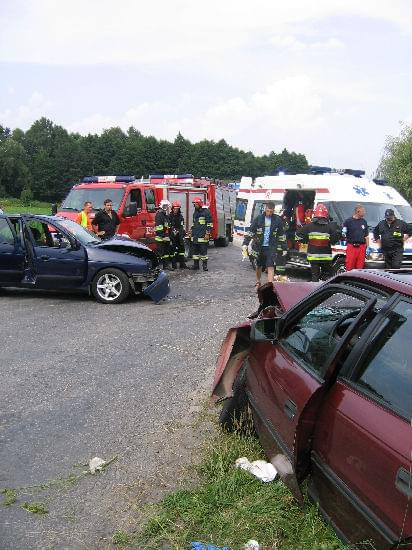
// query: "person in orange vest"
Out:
[83,217]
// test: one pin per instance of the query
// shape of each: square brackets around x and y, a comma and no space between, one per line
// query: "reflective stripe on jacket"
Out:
[202,224]
[320,235]
[277,240]
[161,226]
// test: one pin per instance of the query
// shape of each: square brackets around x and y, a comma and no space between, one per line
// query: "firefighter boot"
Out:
[183,265]
[205,265]
[195,265]
[174,264]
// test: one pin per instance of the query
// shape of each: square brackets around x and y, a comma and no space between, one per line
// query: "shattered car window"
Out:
[313,338]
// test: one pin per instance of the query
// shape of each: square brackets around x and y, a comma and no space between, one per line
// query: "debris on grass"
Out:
[96,465]
[265,471]
[10,496]
[35,508]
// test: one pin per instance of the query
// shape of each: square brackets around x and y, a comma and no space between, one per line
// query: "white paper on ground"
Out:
[263,470]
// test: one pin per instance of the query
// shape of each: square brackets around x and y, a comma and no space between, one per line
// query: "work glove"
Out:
[285,253]
[245,253]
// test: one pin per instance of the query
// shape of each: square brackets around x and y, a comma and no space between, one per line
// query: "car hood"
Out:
[127,246]
[288,294]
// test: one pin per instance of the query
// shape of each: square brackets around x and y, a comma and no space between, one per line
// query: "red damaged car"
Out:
[326,370]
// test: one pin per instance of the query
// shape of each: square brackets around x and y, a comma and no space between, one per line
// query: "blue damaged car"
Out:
[53,253]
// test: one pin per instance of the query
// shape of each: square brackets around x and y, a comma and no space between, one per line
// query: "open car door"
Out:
[293,361]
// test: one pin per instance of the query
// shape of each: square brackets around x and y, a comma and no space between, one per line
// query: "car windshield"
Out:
[79,232]
[374,212]
[405,211]
[77,197]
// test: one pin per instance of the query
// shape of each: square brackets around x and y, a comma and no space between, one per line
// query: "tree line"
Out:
[46,160]
[396,163]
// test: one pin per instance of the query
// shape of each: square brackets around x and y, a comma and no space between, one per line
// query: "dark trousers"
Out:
[163,249]
[393,258]
[319,269]
[199,251]
[177,250]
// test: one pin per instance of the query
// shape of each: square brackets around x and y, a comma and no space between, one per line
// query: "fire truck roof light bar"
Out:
[170,176]
[107,179]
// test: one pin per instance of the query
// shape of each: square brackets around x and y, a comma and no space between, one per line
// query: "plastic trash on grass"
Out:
[252,545]
[96,464]
[265,471]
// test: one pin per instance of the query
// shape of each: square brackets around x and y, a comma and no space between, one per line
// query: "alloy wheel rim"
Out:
[109,287]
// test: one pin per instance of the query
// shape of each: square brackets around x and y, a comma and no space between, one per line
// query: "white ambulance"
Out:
[340,191]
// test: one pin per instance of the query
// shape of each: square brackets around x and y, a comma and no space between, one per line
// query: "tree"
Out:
[396,163]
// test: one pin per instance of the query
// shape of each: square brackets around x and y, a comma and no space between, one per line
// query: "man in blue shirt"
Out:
[264,233]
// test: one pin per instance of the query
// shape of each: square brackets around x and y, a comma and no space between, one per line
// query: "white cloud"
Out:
[24,115]
[130,31]
[291,43]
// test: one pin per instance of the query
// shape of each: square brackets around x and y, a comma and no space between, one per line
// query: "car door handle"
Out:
[404,482]
[45,258]
[290,409]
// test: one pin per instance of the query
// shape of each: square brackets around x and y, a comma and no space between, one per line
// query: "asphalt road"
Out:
[80,379]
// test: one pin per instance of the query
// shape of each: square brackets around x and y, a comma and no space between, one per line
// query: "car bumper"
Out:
[159,289]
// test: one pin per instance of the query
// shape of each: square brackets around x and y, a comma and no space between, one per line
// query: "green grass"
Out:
[10,496]
[15,206]
[230,506]
[35,508]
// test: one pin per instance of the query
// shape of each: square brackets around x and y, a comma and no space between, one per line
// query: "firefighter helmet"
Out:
[198,200]
[321,211]
[165,204]
[176,204]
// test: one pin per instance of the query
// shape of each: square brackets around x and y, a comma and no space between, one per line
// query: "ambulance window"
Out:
[134,196]
[241,206]
[150,200]
[333,215]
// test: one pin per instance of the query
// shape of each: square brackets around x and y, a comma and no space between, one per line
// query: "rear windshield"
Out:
[374,212]
[77,197]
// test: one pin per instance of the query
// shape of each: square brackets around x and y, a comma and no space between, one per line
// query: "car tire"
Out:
[110,286]
[234,414]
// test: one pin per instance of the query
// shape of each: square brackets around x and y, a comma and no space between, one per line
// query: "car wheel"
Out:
[235,415]
[110,286]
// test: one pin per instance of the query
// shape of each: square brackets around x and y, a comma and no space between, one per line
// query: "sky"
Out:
[328,78]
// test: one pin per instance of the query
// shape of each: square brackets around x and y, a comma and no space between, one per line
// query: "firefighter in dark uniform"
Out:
[200,233]
[282,246]
[392,233]
[265,232]
[162,231]
[177,234]
[320,234]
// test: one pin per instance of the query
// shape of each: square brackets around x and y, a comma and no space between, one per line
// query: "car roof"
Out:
[398,280]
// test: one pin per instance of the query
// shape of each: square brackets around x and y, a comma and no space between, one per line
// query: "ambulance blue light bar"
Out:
[319,170]
[108,179]
[170,176]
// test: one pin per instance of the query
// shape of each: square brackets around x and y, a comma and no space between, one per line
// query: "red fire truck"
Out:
[136,202]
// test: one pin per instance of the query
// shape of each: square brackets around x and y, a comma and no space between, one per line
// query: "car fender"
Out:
[234,349]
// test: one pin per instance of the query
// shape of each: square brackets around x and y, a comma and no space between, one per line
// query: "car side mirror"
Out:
[130,210]
[54,209]
[263,330]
